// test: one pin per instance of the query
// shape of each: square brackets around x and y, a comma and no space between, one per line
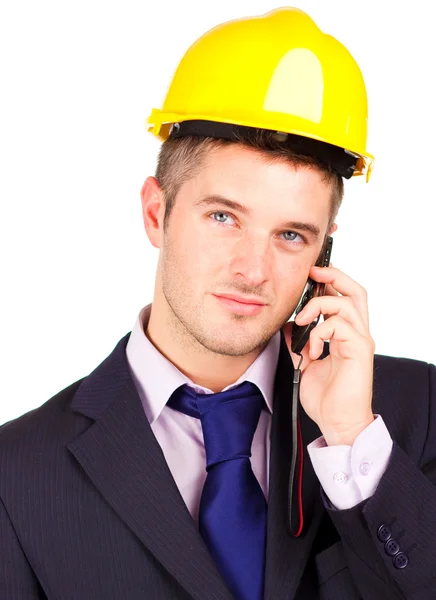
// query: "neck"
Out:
[204,367]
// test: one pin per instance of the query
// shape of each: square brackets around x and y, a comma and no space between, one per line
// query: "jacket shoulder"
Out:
[396,362]
[405,375]
[51,414]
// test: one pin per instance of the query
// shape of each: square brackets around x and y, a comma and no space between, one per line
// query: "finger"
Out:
[345,285]
[342,306]
[350,343]
[330,290]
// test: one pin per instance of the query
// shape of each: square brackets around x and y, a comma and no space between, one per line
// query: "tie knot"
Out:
[229,419]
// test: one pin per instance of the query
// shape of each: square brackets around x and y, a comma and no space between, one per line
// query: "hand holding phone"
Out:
[301,333]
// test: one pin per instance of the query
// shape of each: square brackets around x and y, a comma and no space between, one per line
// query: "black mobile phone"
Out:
[301,333]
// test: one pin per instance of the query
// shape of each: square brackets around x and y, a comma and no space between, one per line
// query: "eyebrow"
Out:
[236,206]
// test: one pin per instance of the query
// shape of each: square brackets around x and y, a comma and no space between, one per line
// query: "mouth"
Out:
[240,305]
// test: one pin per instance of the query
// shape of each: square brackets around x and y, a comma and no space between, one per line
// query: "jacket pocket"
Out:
[333,575]
[330,561]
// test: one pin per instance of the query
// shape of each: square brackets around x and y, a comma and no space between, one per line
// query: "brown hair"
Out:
[181,159]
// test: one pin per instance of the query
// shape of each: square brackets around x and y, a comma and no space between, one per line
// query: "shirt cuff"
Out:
[350,474]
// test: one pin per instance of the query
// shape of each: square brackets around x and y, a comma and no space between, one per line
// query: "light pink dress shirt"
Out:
[347,474]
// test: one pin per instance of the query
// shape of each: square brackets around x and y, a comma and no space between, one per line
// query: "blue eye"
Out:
[294,235]
[292,238]
[221,214]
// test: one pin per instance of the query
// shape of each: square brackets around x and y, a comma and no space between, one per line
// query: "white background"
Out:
[78,80]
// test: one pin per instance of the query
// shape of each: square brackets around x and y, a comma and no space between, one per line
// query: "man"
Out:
[165,472]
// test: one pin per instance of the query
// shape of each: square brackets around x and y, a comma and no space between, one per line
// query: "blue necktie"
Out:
[233,509]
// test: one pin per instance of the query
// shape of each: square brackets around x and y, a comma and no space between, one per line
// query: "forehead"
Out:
[262,183]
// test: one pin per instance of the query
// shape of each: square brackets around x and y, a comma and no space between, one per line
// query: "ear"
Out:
[333,228]
[153,210]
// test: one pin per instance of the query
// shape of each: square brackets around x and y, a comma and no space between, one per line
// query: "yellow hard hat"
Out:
[278,72]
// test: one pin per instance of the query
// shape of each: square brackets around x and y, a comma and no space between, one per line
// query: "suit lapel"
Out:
[286,556]
[123,459]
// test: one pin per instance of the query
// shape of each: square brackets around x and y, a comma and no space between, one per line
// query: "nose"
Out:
[251,260]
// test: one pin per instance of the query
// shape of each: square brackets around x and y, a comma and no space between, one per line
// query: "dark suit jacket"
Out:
[89,509]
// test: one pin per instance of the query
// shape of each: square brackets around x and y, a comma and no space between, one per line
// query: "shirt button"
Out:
[340,477]
[400,561]
[364,468]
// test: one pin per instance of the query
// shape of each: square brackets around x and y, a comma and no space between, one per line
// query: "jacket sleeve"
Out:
[390,537]
[17,580]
